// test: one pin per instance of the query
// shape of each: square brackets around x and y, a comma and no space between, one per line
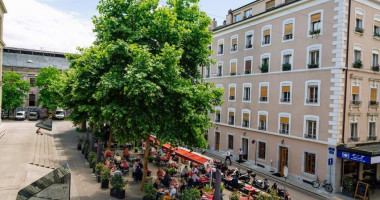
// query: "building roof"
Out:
[29,58]
[248,4]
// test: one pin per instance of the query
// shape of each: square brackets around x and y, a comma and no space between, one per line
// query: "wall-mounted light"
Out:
[283,141]
[217,128]
[245,133]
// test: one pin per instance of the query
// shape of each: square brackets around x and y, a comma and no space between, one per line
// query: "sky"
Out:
[64,25]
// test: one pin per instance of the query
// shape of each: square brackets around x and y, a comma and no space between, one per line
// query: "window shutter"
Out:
[220,43]
[285,88]
[316,17]
[288,29]
[264,91]
[234,41]
[267,32]
[231,114]
[233,67]
[218,112]
[263,118]
[284,120]
[359,16]
[248,64]
[377,23]
[373,94]
[245,116]
[355,89]
[270,4]
[232,91]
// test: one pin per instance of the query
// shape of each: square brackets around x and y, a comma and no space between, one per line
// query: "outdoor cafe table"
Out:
[206,197]
[204,180]
[248,188]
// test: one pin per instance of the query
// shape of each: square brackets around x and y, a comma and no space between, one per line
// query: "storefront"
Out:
[361,163]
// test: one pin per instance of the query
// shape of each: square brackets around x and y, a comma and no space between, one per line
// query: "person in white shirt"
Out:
[184,171]
[241,155]
[172,193]
[228,156]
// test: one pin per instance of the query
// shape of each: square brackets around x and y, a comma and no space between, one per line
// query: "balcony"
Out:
[285,100]
[246,98]
[247,72]
[288,37]
[245,123]
[354,139]
[262,128]
[371,138]
[313,66]
[310,136]
[311,101]
[283,131]
[374,103]
[359,30]
[231,98]
[356,103]
[248,46]
[263,99]
[231,123]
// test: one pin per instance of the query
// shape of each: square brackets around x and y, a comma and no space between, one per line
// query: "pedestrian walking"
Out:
[228,156]
[241,155]
[38,131]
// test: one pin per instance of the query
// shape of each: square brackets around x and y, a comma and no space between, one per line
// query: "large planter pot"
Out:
[347,193]
[117,193]
[93,169]
[82,151]
[105,184]
[98,179]
[79,147]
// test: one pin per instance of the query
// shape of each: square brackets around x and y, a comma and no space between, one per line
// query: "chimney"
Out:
[214,24]
[229,17]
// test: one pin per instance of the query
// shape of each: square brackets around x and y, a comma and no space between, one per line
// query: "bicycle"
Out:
[317,183]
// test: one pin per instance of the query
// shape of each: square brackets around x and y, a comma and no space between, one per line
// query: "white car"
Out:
[20,115]
[59,114]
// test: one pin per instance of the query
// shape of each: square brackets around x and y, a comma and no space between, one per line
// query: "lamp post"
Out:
[253,142]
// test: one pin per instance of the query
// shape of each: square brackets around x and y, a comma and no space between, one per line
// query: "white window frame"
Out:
[217,49]
[361,12]
[251,59]
[258,119]
[376,18]
[240,17]
[233,142]
[262,35]
[354,119]
[358,84]
[313,82]
[376,86]
[264,84]
[265,55]
[249,118]
[257,150]
[245,11]
[229,90]
[237,43]
[316,164]
[309,22]
[375,51]
[220,111]
[290,83]
[313,118]
[287,52]
[357,47]
[285,22]
[251,32]
[289,116]
[247,85]
[313,48]
[372,119]
[234,61]
[221,64]
[228,116]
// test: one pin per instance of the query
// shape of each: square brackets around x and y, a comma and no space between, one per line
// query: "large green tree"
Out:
[14,91]
[50,83]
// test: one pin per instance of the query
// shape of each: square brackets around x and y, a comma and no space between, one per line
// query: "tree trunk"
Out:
[99,152]
[83,125]
[110,137]
[145,169]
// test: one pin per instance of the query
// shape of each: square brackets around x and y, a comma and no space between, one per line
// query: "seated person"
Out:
[156,186]
[174,182]
[108,153]
[234,183]
[167,179]
[138,159]
[138,174]
[126,154]
[117,158]
[124,163]
[113,169]
[184,172]
[117,172]
[172,193]
[194,170]
[160,174]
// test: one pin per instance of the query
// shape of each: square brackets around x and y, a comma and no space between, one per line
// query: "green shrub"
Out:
[150,191]
[150,158]
[191,194]
[358,64]
[264,68]
[99,167]
[171,170]
[235,196]
[136,149]
[118,182]
[348,184]
[105,174]
[207,188]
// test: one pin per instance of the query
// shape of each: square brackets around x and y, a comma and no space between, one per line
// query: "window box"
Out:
[286,67]
[375,68]
[356,103]
[354,139]
[358,64]
[232,98]
[264,68]
[371,138]
[359,30]
[313,66]
[288,37]
[263,99]
[262,128]
[315,32]
[309,136]
[374,103]
[247,72]
[285,132]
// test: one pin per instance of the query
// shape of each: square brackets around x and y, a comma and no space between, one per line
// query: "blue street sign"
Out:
[330,161]
[331,150]
[354,157]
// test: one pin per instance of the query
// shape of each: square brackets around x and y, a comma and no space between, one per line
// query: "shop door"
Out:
[283,159]
[217,140]
[245,148]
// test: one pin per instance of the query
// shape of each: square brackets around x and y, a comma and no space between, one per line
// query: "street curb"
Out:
[271,176]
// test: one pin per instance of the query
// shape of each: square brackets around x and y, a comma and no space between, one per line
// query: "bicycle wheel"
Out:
[328,188]
[316,184]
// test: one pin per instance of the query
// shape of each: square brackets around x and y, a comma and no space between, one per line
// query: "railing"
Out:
[231,123]
[354,139]
[373,103]
[372,137]
[315,32]
[285,100]
[313,66]
[288,37]
[262,128]
[310,136]
[247,72]
[359,30]
[220,52]
[265,42]
[246,98]
[245,123]
[263,99]
[232,98]
[283,131]
[311,101]
[356,103]
[248,46]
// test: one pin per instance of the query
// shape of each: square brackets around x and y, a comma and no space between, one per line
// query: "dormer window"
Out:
[247,13]
[270,4]
[237,17]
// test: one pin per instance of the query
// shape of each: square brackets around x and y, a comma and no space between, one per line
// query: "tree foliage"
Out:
[14,89]
[50,83]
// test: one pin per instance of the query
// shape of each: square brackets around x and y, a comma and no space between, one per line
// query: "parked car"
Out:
[59,114]
[33,116]
[21,115]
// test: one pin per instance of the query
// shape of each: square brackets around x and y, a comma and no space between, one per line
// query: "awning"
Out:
[167,147]
[369,153]
[191,156]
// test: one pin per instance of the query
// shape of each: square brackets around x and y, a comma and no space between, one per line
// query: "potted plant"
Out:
[264,68]
[376,68]
[286,67]
[136,149]
[358,64]
[348,186]
[171,170]
[222,188]
[98,169]
[92,159]
[105,176]
[80,142]
[150,158]
[235,196]
[150,192]
[118,185]
[86,150]
[191,194]
[315,33]
[313,65]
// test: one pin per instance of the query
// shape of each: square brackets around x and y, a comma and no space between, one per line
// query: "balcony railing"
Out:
[372,137]
[263,99]
[373,103]
[231,123]
[217,120]
[245,123]
[233,73]
[234,48]
[359,30]
[246,98]
[262,128]
[311,101]
[283,131]
[219,74]
[354,139]
[356,103]
[232,98]
[288,37]
[313,65]
[220,52]
[310,136]
[285,100]
[315,32]
[247,72]
[248,46]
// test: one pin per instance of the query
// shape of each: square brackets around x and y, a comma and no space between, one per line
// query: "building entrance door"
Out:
[283,159]
[245,148]
[217,140]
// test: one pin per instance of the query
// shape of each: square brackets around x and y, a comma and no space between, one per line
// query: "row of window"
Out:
[359,23]
[354,129]
[356,91]
[358,59]
[309,160]
[312,92]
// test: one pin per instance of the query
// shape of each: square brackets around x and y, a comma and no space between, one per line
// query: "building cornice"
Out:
[3,6]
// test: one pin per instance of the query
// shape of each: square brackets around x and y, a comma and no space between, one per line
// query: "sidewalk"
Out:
[321,193]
